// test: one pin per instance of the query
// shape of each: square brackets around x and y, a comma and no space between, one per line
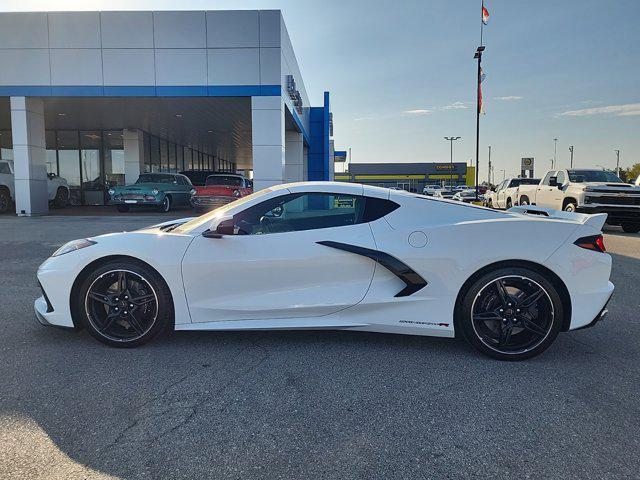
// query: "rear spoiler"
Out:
[596,221]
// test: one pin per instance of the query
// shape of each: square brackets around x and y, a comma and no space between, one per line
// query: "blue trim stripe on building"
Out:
[142,91]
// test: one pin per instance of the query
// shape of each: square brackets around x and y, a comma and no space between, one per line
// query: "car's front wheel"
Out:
[123,208]
[124,304]
[510,313]
[61,199]
[166,204]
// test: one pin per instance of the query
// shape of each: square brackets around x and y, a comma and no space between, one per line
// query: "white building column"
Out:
[133,142]
[294,157]
[268,141]
[29,156]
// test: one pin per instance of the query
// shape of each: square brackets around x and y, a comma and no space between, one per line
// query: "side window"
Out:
[500,186]
[547,177]
[376,208]
[561,177]
[4,168]
[298,212]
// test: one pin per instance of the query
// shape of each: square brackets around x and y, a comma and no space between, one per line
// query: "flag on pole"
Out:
[485,15]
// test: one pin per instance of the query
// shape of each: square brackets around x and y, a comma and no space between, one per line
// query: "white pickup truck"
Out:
[586,191]
[57,188]
[504,194]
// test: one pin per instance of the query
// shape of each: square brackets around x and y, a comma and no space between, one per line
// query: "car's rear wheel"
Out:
[62,198]
[524,201]
[166,204]
[123,208]
[631,227]
[124,304]
[511,313]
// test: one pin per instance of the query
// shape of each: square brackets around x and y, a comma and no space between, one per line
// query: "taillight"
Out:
[592,242]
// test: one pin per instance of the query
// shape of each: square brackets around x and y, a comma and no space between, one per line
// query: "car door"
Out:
[545,194]
[499,194]
[275,267]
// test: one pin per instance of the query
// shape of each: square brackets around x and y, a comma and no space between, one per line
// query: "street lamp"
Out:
[617,162]
[571,151]
[555,149]
[451,140]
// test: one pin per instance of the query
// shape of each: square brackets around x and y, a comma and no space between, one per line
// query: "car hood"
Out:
[612,187]
[138,187]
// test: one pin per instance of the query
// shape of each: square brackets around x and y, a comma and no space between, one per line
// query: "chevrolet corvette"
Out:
[325,255]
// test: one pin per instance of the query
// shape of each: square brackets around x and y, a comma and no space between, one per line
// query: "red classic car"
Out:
[220,189]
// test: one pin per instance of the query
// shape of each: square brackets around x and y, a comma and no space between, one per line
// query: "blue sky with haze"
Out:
[401,74]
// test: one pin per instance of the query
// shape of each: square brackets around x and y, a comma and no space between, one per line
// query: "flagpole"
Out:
[481,22]
[478,55]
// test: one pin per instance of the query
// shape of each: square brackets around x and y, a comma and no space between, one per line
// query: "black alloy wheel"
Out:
[512,314]
[166,204]
[125,304]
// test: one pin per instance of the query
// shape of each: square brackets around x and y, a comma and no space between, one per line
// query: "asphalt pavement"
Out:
[310,405]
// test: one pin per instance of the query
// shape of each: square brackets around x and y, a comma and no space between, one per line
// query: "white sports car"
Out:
[324,255]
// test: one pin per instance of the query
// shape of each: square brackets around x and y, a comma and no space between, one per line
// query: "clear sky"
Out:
[402,76]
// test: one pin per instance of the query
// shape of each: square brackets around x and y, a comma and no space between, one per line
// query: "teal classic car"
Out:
[160,190]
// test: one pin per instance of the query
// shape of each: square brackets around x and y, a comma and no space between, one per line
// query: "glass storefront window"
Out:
[6,145]
[92,181]
[180,158]
[155,154]
[69,162]
[164,156]
[172,158]
[113,158]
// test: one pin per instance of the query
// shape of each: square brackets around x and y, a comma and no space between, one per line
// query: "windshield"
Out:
[218,212]
[229,180]
[155,178]
[593,176]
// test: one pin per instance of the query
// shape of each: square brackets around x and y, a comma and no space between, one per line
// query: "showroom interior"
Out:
[100,97]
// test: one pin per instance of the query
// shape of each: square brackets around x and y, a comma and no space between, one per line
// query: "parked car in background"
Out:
[466,196]
[505,193]
[430,190]
[57,188]
[198,177]
[160,190]
[220,189]
[444,193]
[587,191]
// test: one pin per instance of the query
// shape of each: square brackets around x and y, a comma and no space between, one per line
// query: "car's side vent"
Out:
[404,272]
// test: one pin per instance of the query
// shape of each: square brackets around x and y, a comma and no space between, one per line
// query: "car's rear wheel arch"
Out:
[541,269]
[77,283]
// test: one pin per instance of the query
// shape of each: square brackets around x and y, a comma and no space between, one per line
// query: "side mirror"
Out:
[553,181]
[219,227]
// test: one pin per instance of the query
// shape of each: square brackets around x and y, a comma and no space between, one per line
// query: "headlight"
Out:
[236,193]
[193,192]
[155,191]
[72,246]
[111,191]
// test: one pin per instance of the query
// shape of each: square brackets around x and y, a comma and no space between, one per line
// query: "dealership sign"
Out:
[294,93]
[446,166]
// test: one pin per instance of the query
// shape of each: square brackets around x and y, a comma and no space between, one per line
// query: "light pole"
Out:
[617,162]
[451,140]
[489,179]
[551,160]
[555,149]
[571,151]
[504,173]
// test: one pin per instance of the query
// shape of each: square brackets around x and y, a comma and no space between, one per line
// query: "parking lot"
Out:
[307,404]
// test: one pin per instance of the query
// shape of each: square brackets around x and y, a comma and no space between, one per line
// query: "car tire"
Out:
[527,328]
[524,201]
[123,208]
[61,199]
[103,306]
[631,227]
[166,204]
[509,204]
[570,207]
[5,200]
[490,203]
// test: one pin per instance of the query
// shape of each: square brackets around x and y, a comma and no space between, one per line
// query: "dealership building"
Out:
[412,177]
[100,97]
